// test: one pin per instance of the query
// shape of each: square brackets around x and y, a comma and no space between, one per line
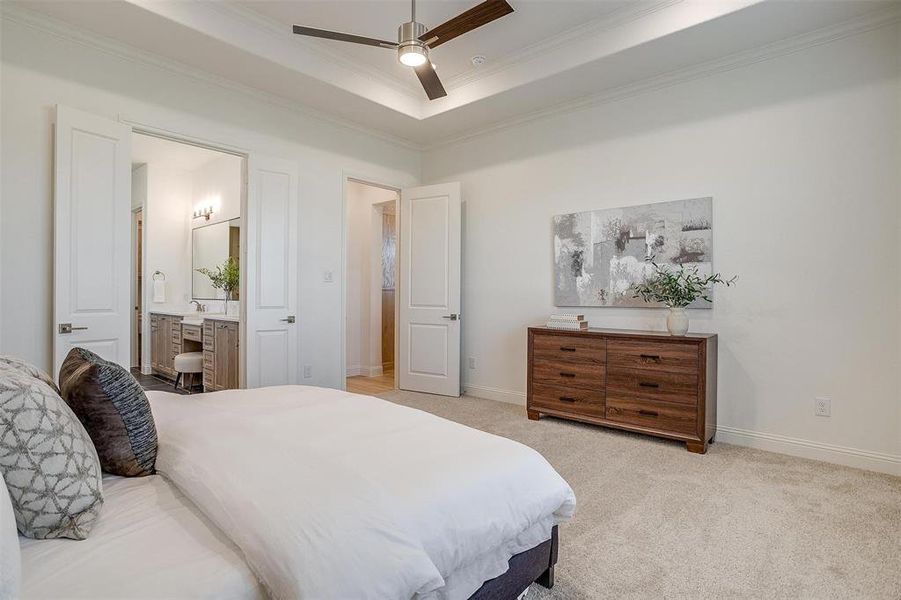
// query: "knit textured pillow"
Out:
[111,405]
[49,464]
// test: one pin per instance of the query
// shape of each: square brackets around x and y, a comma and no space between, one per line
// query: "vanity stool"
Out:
[188,363]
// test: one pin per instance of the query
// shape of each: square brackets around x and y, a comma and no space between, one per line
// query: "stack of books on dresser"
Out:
[570,322]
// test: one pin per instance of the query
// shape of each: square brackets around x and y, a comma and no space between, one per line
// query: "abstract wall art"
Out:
[599,254]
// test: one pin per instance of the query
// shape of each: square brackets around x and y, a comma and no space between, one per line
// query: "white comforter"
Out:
[336,495]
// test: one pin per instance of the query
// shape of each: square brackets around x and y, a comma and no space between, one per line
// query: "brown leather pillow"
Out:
[111,405]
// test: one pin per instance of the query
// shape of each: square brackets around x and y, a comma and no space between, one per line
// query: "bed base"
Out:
[535,565]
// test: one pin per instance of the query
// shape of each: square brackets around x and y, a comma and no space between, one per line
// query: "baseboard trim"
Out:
[841,455]
[357,370]
[496,394]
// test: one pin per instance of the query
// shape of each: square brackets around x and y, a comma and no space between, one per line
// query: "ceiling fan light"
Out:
[412,55]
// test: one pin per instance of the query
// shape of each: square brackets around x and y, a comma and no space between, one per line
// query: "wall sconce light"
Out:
[206,213]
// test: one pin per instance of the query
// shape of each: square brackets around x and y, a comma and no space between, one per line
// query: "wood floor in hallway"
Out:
[371,385]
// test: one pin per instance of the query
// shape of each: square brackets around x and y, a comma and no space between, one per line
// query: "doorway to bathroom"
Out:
[186,272]
[370,286]
[95,275]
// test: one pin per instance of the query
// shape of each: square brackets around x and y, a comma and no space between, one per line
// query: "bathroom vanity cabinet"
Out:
[221,345]
[218,337]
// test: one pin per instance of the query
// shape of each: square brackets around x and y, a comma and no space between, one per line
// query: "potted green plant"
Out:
[676,289]
[225,277]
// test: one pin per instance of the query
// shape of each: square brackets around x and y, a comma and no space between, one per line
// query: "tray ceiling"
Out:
[546,56]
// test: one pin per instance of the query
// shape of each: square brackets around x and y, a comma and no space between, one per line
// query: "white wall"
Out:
[364,276]
[218,184]
[41,69]
[802,156]
[167,221]
[138,186]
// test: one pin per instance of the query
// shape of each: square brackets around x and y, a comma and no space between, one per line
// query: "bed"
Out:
[304,492]
[151,542]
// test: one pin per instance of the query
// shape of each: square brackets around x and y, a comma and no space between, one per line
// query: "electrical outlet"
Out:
[307,371]
[327,276]
[472,362]
[822,406]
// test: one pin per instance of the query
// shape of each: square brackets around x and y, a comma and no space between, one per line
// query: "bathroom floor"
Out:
[152,382]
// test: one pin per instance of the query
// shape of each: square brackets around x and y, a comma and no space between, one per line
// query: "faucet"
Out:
[200,307]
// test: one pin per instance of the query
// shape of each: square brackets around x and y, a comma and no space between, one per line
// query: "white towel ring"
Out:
[161,274]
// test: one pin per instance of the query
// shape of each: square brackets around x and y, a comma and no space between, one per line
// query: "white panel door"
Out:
[271,274]
[92,233]
[429,319]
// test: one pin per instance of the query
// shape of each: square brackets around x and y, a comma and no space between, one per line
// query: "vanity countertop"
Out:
[220,317]
[172,312]
[194,317]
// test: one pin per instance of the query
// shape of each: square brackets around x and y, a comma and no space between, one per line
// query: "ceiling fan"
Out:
[414,41]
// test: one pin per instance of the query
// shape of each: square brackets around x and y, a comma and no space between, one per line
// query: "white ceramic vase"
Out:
[677,321]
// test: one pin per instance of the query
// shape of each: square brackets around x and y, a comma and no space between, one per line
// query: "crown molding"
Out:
[594,28]
[277,31]
[66,31]
[858,25]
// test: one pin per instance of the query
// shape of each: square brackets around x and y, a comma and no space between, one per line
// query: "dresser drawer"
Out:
[192,332]
[572,400]
[569,348]
[589,376]
[657,415]
[658,356]
[679,388]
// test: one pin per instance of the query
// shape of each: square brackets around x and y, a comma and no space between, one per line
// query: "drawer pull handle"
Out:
[647,413]
[567,399]
[562,374]
[567,349]
[650,357]
[649,385]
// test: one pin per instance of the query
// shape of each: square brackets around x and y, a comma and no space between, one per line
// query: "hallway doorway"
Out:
[371,276]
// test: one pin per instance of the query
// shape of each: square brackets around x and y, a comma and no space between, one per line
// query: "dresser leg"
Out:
[696,447]
[534,415]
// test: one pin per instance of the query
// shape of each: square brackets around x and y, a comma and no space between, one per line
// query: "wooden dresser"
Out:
[650,383]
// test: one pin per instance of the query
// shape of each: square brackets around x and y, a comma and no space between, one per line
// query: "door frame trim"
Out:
[141,128]
[356,177]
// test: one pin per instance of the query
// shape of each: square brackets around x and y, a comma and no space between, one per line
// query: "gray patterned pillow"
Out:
[29,369]
[47,459]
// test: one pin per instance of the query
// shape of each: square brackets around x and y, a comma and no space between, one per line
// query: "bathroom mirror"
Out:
[211,246]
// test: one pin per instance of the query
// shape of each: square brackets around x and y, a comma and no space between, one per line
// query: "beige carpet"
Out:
[654,521]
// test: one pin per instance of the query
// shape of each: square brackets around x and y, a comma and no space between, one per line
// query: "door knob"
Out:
[452,316]
[67,328]
[289,319]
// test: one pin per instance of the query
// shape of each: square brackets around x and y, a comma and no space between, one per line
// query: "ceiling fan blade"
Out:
[477,16]
[342,37]
[430,82]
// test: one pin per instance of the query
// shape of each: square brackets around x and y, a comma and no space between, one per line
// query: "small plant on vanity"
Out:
[225,277]
[676,289]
